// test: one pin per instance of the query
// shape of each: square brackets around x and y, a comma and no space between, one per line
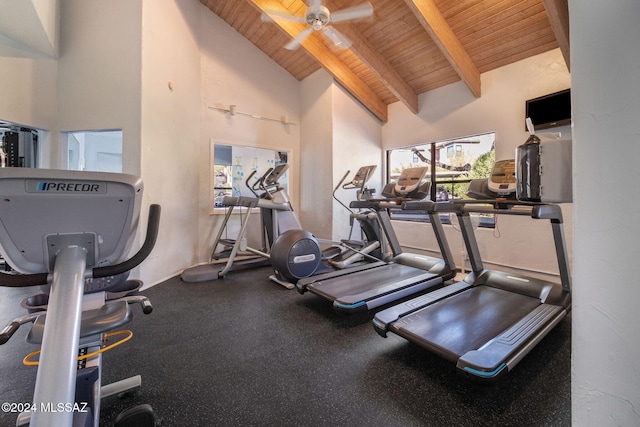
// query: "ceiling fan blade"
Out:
[270,14]
[337,38]
[363,10]
[295,43]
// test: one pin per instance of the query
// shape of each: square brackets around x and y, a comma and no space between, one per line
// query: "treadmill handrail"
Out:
[535,210]
[428,206]
[24,280]
[378,204]
[365,204]
[511,207]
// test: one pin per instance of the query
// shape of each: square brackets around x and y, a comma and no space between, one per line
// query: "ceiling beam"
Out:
[558,13]
[434,23]
[381,68]
[326,58]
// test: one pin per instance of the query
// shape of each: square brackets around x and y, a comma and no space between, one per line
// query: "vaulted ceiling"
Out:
[407,47]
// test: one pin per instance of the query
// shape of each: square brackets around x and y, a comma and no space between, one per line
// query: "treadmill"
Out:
[405,274]
[489,321]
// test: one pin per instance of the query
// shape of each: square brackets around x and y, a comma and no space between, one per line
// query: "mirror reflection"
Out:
[233,165]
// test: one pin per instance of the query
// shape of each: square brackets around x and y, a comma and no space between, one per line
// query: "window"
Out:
[452,165]
[95,151]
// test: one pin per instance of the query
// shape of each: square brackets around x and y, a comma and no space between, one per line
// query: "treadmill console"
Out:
[503,178]
[409,180]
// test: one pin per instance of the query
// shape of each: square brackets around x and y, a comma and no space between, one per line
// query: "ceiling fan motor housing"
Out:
[317,17]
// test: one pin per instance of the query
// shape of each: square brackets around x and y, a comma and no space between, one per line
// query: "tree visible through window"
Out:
[452,163]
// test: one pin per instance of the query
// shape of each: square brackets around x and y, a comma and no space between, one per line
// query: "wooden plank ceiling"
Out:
[407,47]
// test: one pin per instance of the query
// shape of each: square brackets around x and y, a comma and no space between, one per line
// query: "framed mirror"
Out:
[235,168]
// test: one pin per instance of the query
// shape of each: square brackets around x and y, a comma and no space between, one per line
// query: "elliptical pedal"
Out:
[228,242]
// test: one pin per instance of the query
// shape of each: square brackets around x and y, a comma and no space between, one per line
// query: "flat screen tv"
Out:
[550,110]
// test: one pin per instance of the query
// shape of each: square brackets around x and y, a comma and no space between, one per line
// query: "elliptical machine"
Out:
[276,214]
[353,251]
[78,254]
[297,253]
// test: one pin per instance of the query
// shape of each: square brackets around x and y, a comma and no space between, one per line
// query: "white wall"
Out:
[108,59]
[605,60]
[317,154]
[234,71]
[99,78]
[28,71]
[357,139]
[29,28]
[452,111]
[170,130]
[28,91]
[338,135]
[29,97]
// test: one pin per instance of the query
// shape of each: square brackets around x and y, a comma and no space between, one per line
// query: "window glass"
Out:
[452,164]
[99,151]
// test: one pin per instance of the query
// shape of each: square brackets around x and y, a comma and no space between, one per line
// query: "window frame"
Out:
[454,145]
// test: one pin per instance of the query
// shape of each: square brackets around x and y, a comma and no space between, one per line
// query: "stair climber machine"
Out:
[488,322]
[276,215]
[70,233]
[403,274]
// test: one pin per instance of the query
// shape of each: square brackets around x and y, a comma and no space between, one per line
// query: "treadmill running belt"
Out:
[465,321]
[382,278]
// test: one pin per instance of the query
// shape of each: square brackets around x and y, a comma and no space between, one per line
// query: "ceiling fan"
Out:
[318,17]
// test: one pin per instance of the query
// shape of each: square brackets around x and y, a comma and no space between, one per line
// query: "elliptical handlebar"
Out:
[25,280]
[259,184]
[358,182]
[267,182]
[343,186]
[342,180]
[246,182]
[262,186]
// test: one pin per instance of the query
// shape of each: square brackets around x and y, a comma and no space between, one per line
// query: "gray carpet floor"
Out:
[244,351]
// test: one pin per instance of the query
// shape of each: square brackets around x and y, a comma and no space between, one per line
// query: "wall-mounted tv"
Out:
[550,110]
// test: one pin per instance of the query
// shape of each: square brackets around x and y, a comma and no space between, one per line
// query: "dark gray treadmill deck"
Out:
[370,283]
[465,321]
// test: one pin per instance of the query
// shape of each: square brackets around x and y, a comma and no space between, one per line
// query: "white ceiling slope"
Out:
[29,28]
